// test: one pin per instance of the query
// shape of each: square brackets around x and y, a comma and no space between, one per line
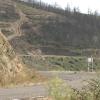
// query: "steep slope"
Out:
[33,29]
[56,33]
[7,11]
[10,64]
[12,68]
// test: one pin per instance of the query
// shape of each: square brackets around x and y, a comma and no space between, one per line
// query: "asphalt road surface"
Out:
[22,92]
[75,79]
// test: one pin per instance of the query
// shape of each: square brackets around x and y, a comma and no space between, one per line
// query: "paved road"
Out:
[76,80]
[22,92]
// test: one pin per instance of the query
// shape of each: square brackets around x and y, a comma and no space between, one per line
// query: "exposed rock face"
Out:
[10,65]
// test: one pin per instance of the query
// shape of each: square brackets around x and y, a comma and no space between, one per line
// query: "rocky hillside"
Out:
[10,64]
[12,68]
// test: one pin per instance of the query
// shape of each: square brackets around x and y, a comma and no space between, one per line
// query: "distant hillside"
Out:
[45,29]
[55,31]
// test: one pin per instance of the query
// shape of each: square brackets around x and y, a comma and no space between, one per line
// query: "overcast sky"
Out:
[82,4]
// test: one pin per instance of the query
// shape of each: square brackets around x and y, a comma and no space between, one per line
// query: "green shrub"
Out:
[93,89]
[59,90]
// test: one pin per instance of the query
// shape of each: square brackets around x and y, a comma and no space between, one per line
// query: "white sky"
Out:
[82,4]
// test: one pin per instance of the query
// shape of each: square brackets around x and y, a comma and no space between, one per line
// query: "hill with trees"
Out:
[54,30]
[34,29]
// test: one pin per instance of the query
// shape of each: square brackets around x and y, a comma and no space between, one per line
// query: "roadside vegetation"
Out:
[59,90]
[24,78]
[61,63]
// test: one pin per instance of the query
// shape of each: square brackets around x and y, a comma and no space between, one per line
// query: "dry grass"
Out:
[26,77]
